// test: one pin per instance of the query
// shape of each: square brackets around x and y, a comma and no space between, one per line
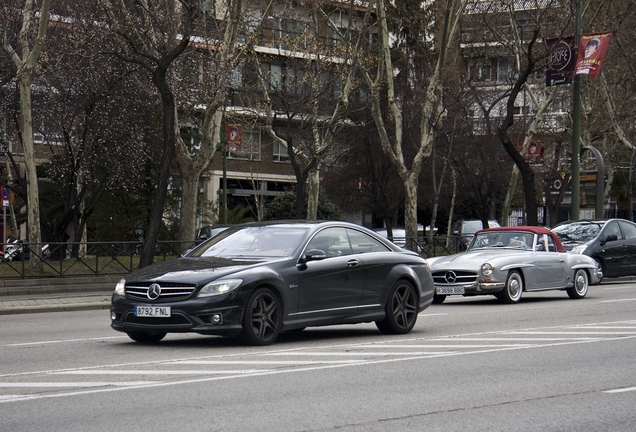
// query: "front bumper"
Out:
[194,315]
[476,288]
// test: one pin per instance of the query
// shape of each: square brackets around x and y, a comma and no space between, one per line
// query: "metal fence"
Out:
[80,258]
[440,245]
[70,259]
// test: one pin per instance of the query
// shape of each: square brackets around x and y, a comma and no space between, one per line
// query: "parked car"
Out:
[259,279]
[209,231]
[465,230]
[507,261]
[611,242]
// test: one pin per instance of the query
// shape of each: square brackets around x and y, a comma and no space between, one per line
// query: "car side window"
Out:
[332,241]
[612,229]
[541,244]
[551,245]
[363,243]
[629,230]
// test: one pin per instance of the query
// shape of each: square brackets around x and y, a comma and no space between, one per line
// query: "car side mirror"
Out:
[609,238]
[311,255]
[315,255]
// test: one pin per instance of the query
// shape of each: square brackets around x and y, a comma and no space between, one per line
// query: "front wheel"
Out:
[263,318]
[581,284]
[146,337]
[401,309]
[514,288]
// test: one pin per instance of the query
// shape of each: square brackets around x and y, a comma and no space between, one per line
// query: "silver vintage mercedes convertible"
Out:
[506,261]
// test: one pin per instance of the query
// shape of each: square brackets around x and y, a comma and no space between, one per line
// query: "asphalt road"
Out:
[548,363]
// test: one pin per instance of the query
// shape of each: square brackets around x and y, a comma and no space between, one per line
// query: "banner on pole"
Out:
[592,49]
[561,61]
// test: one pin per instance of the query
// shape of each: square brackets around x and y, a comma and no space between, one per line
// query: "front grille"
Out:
[169,291]
[454,277]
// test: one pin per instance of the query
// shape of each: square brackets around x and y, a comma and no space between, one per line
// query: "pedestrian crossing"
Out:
[246,363]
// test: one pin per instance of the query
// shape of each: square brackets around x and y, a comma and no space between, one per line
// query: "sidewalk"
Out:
[55,295]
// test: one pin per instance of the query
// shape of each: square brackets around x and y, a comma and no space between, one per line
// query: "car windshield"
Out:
[578,232]
[502,239]
[471,227]
[254,242]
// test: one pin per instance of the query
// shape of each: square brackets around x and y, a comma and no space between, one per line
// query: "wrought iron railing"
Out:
[67,259]
[71,259]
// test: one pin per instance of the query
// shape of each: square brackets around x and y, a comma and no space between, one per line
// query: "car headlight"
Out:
[579,248]
[120,288]
[487,269]
[219,287]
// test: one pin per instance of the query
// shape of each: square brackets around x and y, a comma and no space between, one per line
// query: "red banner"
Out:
[592,49]
[234,135]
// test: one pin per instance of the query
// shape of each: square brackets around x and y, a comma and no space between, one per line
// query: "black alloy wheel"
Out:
[262,319]
[401,309]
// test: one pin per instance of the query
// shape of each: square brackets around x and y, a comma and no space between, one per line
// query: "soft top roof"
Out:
[532,229]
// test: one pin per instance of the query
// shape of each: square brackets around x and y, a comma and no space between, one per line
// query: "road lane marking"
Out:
[261,362]
[353,353]
[619,300]
[157,372]
[621,390]
[63,341]
[316,367]
[74,384]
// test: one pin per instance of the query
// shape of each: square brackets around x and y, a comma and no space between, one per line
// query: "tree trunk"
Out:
[33,199]
[189,195]
[156,214]
[313,191]
[410,212]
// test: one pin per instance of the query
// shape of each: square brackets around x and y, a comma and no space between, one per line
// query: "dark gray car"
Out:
[257,280]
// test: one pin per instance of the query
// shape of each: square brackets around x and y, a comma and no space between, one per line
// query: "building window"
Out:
[247,145]
[507,70]
[275,77]
[280,152]
[481,71]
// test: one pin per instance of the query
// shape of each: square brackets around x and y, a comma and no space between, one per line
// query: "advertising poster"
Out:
[592,49]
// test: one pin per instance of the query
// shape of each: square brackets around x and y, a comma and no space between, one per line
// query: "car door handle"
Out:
[352,263]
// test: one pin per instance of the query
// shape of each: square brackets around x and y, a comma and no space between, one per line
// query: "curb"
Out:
[55,308]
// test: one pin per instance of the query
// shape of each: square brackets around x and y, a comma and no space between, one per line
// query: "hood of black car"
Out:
[191,270]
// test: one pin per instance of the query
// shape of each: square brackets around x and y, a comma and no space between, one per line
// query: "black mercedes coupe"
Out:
[259,279]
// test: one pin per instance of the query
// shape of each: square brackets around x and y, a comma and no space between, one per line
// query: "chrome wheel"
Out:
[580,286]
[514,288]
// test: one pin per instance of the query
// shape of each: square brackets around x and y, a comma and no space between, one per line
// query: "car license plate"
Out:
[450,290]
[152,311]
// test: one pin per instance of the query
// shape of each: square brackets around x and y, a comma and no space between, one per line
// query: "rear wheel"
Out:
[581,284]
[514,288]
[146,337]
[262,319]
[401,309]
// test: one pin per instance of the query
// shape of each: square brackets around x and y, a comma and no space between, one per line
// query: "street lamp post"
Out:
[576,129]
